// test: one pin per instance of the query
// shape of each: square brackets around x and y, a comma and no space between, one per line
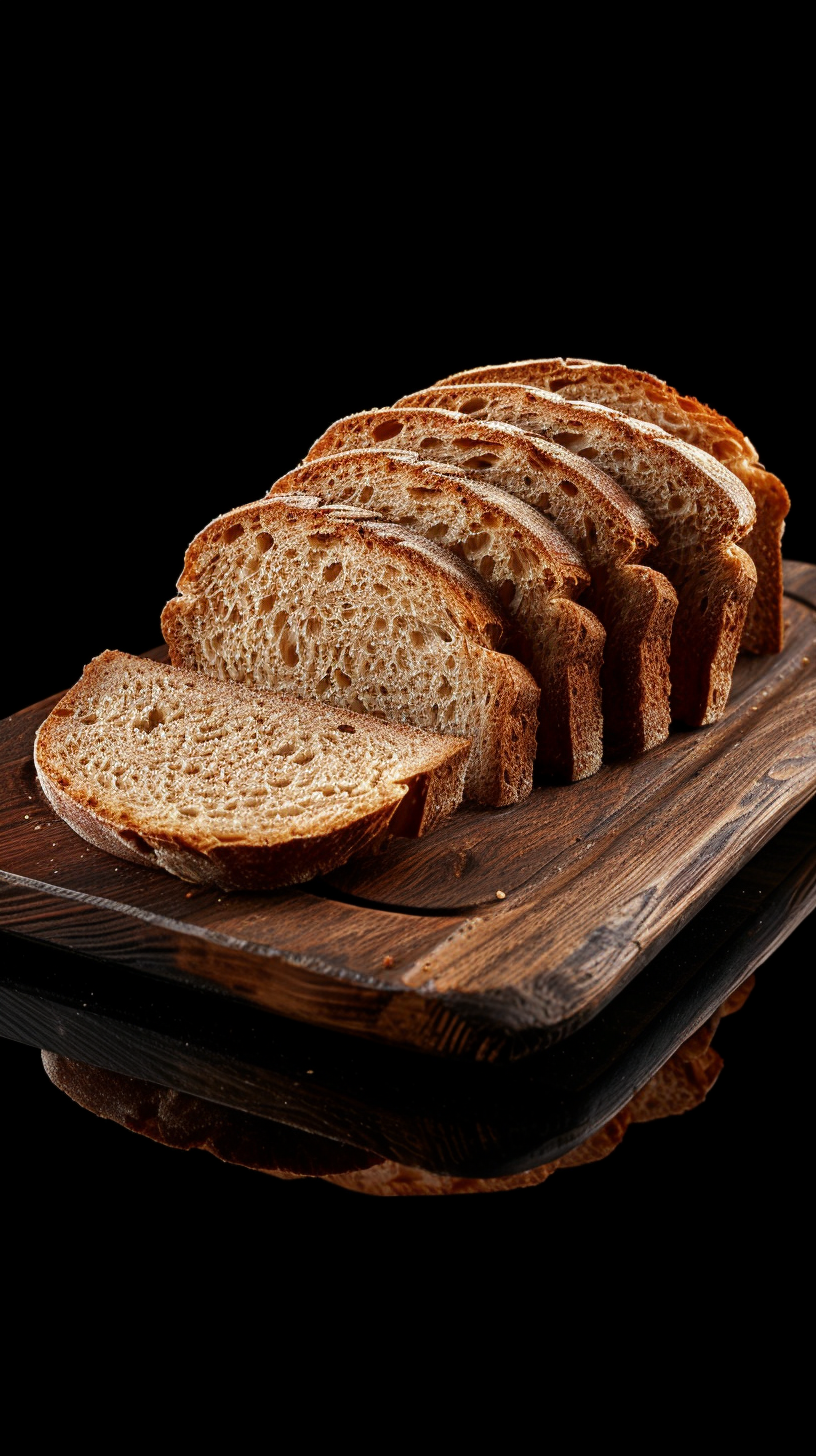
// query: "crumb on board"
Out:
[388,962]
[500,895]
[189,895]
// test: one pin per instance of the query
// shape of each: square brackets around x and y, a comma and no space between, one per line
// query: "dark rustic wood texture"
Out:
[413,947]
[441,1114]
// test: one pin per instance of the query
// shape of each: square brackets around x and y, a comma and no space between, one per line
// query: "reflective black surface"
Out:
[473,1121]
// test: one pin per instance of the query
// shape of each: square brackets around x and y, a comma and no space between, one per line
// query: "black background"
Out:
[179,346]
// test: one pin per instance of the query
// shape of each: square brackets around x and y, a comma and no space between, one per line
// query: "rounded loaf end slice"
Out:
[234,787]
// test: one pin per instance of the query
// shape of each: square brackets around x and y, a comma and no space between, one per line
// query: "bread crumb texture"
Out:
[168,759]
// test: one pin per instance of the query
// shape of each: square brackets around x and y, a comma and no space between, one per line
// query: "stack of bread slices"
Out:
[538,565]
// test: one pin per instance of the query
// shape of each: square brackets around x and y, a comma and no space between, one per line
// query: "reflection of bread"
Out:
[635,603]
[697,508]
[648,398]
[180,1121]
[332,603]
[533,568]
[226,786]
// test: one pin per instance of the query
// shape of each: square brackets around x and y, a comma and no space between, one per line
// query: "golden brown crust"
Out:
[628,533]
[472,604]
[646,397]
[559,641]
[634,605]
[112,824]
[452,594]
[697,506]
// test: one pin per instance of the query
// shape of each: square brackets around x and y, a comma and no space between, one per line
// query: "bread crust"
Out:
[635,607]
[698,508]
[418,802]
[560,641]
[644,396]
[502,724]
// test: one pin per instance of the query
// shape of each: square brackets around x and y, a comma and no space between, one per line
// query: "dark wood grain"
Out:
[439,1114]
[413,947]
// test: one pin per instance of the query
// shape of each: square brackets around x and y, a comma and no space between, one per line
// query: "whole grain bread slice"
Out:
[333,603]
[698,509]
[635,603]
[534,569]
[645,397]
[232,786]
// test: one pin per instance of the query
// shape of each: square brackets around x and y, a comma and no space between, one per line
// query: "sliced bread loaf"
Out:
[698,509]
[647,398]
[230,786]
[335,604]
[635,604]
[534,569]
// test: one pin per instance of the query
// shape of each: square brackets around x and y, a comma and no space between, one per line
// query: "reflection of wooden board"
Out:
[438,1113]
[597,877]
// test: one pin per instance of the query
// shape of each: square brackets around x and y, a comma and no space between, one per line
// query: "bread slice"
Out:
[635,604]
[647,398]
[335,604]
[226,785]
[534,569]
[698,509]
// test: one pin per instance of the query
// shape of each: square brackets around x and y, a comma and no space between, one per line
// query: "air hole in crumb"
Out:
[341,679]
[90,718]
[589,453]
[486,566]
[527,480]
[480,462]
[437,532]
[266,604]
[430,443]
[471,406]
[280,622]
[675,503]
[288,648]
[331,572]
[704,603]
[263,541]
[232,533]
[387,430]
[507,591]
[618,454]
[345,728]
[366,493]
[568,487]
[418,638]
[567,438]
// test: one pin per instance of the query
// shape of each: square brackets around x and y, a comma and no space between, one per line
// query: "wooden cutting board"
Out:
[414,946]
